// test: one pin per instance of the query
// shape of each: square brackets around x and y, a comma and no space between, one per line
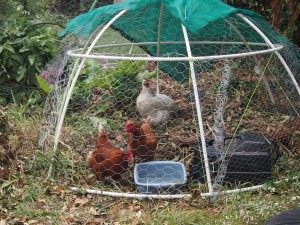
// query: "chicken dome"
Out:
[228,73]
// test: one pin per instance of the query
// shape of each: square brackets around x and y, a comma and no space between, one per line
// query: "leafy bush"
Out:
[11,7]
[25,48]
[124,84]
[95,76]
[107,90]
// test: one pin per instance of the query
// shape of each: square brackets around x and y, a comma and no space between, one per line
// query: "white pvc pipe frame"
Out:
[272,47]
[198,109]
[173,59]
[190,59]
[177,196]
[160,196]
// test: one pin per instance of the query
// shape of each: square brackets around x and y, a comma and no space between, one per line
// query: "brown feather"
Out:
[142,140]
[106,160]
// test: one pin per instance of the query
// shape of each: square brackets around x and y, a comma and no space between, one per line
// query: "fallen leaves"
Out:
[81,201]
[32,222]
[58,190]
[93,211]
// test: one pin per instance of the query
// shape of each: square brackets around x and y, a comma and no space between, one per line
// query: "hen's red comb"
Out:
[146,83]
[128,122]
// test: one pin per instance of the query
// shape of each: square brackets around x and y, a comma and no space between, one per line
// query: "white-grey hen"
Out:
[158,106]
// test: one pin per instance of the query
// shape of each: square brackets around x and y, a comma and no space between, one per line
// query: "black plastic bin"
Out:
[249,160]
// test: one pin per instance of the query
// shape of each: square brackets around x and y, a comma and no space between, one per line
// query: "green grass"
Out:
[27,196]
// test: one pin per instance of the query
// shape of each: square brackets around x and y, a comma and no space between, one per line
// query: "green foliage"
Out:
[32,191]
[43,84]
[36,7]
[33,211]
[8,7]
[119,86]
[25,48]
[80,97]
[95,76]
[61,164]
[10,185]
[11,7]
[124,84]
[92,75]
[3,100]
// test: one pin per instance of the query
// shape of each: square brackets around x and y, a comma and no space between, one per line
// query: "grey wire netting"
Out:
[224,129]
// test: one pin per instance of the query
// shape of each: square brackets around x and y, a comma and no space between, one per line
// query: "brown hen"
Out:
[142,140]
[107,160]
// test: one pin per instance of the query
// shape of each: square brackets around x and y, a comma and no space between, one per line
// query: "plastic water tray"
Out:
[159,177]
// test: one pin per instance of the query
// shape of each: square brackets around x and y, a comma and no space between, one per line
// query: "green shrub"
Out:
[25,48]
[119,88]
[125,86]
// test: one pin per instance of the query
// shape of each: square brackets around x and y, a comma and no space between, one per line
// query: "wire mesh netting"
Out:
[135,119]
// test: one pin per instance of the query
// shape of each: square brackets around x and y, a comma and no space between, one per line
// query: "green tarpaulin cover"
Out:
[204,20]
[194,14]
